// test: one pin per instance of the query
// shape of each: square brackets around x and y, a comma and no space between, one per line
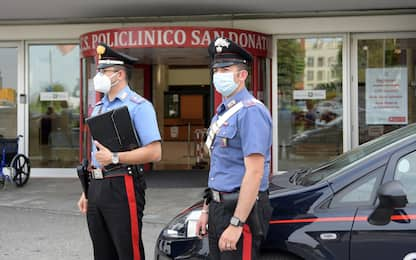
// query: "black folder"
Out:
[114,129]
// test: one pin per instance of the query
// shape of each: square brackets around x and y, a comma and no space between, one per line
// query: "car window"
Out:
[405,172]
[359,193]
[348,159]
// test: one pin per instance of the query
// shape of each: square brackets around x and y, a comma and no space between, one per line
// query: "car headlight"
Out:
[183,225]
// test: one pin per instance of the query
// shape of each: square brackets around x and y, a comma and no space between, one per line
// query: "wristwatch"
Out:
[114,158]
[234,221]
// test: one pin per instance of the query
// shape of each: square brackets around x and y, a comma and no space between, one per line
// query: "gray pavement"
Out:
[41,221]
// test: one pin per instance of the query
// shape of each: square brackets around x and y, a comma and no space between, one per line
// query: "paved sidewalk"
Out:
[41,221]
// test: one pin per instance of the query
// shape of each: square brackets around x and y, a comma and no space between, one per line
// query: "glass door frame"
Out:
[354,74]
[21,94]
[25,61]
[346,89]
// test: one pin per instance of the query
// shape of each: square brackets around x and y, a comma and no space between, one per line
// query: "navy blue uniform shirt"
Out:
[248,131]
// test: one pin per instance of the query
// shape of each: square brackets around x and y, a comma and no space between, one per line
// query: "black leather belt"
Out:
[220,196]
[99,174]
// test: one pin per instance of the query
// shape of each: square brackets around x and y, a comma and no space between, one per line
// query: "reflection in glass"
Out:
[386,86]
[8,91]
[54,105]
[172,105]
[310,101]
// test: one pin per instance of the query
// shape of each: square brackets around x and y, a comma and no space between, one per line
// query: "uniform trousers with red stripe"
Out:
[114,216]
[218,220]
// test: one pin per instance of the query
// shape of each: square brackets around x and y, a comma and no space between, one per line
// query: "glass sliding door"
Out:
[8,91]
[310,114]
[386,85]
[54,75]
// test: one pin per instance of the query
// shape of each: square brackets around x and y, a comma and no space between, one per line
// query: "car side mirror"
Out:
[391,196]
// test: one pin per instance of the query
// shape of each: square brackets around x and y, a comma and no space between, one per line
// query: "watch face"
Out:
[114,158]
[236,222]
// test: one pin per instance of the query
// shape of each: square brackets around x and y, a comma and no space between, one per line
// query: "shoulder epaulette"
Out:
[99,103]
[135,98]
[251,102]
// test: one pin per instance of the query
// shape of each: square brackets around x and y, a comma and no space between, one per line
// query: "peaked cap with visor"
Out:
[224,52]
[108,57]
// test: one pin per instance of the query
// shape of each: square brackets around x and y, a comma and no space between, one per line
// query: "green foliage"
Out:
[291,62]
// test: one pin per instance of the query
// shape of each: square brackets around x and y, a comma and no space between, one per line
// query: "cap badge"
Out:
[221,43]
[100,50]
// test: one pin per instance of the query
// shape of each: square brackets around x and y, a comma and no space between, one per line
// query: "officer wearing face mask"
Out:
[236,208]
[115,202]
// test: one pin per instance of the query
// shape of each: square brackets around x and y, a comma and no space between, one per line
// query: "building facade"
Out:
[331,83]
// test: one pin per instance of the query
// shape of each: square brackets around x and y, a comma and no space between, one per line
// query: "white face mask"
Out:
[102,83]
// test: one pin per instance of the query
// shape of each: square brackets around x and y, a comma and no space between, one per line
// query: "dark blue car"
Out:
[361,205]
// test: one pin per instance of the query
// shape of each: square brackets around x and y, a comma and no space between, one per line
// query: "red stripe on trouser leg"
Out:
[247,242]
[128,180]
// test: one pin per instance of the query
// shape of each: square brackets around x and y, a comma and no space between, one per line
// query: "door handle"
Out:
[328,236]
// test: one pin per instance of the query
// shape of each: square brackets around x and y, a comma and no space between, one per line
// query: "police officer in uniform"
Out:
[236,208]
[115,202]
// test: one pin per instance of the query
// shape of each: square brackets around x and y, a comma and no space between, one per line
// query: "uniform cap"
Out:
[108,57]
[224,52]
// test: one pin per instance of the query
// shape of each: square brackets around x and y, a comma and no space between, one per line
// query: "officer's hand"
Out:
[103,155]
[229,238]
[201,225]
[83,204]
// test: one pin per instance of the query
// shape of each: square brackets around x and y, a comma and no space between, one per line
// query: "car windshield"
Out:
[334,167]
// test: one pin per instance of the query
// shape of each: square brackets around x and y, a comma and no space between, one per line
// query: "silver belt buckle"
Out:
[98,174]
[216,196]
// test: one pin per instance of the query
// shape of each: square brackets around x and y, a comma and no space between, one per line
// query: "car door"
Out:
[343,207]
[397,239]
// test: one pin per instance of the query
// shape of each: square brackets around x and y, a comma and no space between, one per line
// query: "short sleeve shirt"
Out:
[248,131]
[141,112]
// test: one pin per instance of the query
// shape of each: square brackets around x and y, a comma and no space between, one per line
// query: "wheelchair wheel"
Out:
[22,166]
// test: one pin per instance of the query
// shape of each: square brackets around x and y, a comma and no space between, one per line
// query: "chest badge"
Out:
[224,142]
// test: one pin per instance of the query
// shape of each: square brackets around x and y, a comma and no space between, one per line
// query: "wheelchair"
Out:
[14,167]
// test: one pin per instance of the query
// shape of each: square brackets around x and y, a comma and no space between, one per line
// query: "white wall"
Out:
[386,23]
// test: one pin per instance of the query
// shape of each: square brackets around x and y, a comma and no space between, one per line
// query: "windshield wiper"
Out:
[298,175]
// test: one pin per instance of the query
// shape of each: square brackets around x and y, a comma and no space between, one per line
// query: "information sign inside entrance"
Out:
[386,96]
[53,96]
[173,37]
[309,94]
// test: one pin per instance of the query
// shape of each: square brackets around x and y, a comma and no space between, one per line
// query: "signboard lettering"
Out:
[179,37]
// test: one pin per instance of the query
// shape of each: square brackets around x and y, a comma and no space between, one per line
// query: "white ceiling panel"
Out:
[18,10]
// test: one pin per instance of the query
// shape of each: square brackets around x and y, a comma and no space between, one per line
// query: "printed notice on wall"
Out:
[386,96]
